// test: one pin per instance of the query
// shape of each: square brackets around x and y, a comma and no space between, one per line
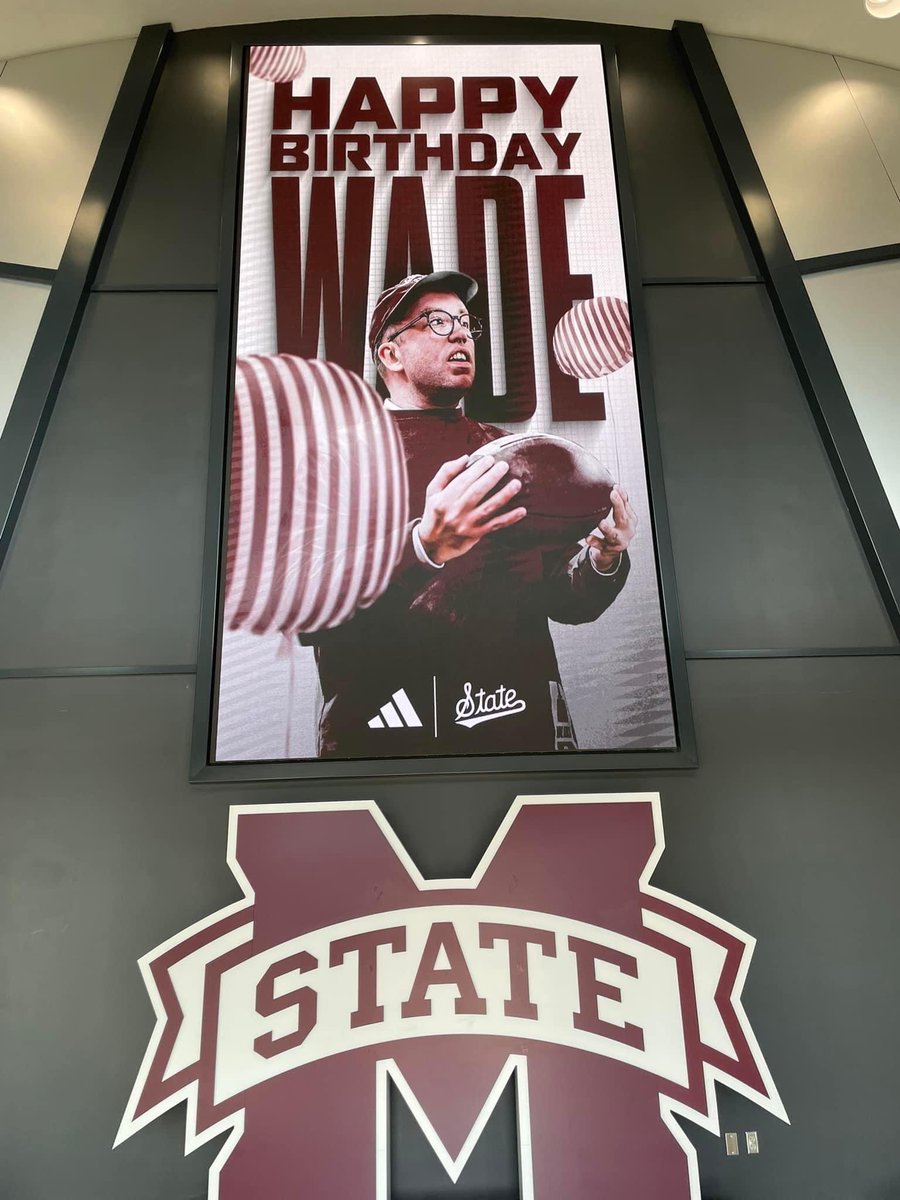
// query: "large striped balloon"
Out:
[278,64]
[594,338]
[319,498]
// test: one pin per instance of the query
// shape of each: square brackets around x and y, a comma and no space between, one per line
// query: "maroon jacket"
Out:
[477,625]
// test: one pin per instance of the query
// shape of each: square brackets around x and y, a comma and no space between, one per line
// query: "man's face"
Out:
[441,369]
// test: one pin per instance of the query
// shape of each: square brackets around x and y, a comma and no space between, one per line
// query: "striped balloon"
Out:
[594,338]
[278,64]
[319,497]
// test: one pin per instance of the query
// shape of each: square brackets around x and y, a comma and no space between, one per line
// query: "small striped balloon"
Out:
[319,498]
[278,64]
[594,338]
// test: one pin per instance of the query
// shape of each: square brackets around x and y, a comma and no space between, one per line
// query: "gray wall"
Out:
[786,828]
[53,110]
[826,134]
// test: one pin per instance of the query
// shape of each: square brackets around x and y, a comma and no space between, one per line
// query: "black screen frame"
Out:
[415,30]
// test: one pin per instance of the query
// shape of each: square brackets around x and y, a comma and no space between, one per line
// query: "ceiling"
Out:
[838,26]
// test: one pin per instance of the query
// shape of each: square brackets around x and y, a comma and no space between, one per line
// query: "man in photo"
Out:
[457,657]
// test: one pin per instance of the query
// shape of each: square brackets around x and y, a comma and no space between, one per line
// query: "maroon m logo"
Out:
[615,1005]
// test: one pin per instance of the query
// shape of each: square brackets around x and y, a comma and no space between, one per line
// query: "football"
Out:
[565,488]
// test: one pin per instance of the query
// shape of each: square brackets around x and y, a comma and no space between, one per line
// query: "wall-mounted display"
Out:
[612,1006]
[443,541]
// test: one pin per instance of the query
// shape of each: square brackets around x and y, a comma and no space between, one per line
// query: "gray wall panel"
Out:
[22,306]
[105,565]
[820,163]
[876,91]
[166,231]
[99,852]
[857,309]
[686,221]
[765,554]
[53,110]
[788,829]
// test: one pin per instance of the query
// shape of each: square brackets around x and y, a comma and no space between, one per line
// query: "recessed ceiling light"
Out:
[883,8]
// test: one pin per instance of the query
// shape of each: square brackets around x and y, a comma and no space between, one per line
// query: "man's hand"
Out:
[457,515]
[613,535]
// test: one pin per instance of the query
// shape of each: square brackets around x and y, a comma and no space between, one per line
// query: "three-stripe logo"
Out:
[398,713]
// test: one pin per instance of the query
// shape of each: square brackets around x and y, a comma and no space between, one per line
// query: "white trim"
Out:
[386,1070]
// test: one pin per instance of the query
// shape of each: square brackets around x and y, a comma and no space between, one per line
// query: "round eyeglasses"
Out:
[442,323]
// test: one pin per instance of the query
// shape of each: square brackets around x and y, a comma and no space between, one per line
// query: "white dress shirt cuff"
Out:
[597,571]
[421,553]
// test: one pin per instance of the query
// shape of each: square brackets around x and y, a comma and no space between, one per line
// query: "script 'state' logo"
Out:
[614,1006]
[479,706]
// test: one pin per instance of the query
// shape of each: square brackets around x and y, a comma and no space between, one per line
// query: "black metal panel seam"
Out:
[702,281]
[94,672]
[849,258]
[151,289]
[58,328]
[690,655]
[25,273]
[798,652]
[859,481]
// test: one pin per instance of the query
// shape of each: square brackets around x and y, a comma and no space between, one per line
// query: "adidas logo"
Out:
[398,713]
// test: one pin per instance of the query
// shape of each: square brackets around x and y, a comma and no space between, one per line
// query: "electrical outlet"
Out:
[732,1145]
[753,1143]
